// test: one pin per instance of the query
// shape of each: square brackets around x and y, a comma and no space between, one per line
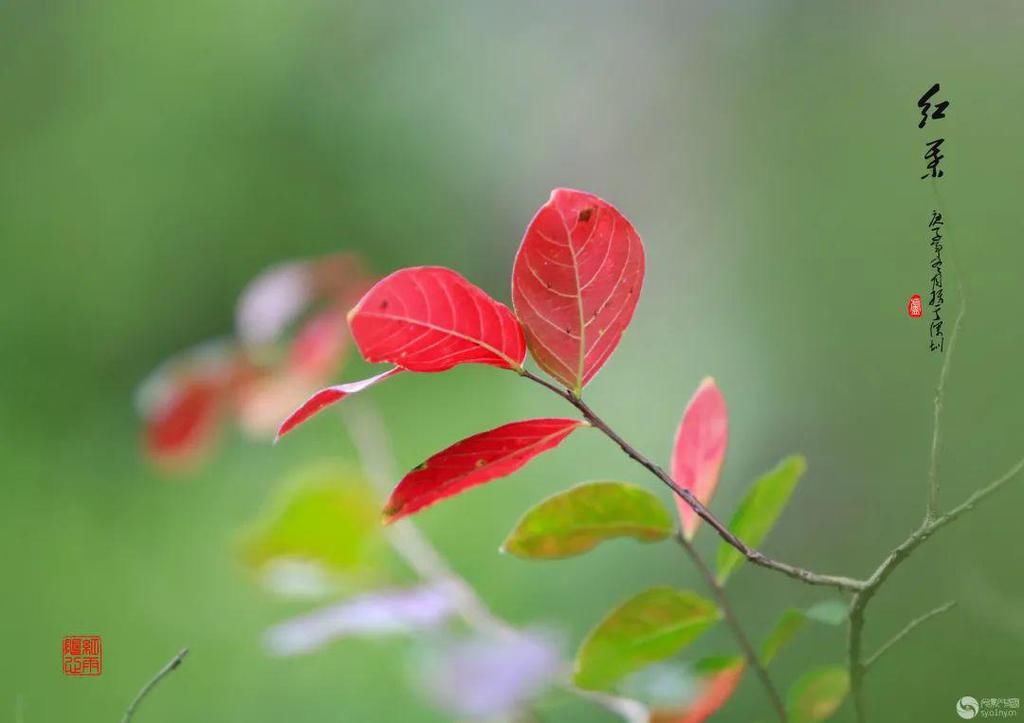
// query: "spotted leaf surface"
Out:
[577,520]
[575,284]
[474,461]
[429,319]
[651,626]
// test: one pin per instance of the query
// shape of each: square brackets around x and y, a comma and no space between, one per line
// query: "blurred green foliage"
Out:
[157,155]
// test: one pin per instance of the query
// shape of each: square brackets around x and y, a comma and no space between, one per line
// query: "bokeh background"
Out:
[155,156]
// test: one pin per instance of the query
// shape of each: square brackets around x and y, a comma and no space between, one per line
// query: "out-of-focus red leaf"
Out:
[699,449]
[319,344]
[328,396]
[180,429]
[475,460]
[719,688]
[273,391]
[182,402]
[429,319]
[575,284]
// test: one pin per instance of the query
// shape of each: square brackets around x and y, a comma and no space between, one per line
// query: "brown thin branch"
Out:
[174,663]
[732,620]
[758,558]
[906,631]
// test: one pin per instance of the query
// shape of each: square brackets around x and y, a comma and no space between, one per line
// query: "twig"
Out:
[906,630]
[933,461]
[174,663]
[891,562]
[370,438]
[733,622]
[758,558]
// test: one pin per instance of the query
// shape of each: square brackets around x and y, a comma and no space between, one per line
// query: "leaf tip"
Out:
[390,514]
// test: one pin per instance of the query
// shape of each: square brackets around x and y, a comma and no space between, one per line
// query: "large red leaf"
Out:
[326,397]
[475,460]
[699,449]
[575,284]
[429,319]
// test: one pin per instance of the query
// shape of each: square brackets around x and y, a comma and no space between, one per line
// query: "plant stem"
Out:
[174,663]
[733,622]
[905,631]
[758,558]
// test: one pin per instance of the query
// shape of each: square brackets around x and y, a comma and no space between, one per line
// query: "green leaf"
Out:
[759,510]
[324,514]
[791,623]
[579,519]
[818,694]
[647,628]
[829,612]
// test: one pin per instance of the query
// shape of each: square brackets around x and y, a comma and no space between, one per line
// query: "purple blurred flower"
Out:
[387,612]
[491,676]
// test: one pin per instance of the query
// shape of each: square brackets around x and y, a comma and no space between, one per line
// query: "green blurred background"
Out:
[155,156]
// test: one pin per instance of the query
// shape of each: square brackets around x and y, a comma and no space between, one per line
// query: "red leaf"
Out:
[183,402]
[429,319]
[699,449]
[319,344]
[326,397]
[715,694]
[475,460]
[575,284]
[179,429]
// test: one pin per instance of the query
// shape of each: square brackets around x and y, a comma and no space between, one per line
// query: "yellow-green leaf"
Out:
[324,514]
[577,520]
[648,627]
[818,694]
[759,510]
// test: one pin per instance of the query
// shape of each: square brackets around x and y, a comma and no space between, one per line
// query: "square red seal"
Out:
[82,655]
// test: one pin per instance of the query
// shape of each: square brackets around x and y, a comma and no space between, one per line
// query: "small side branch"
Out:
[174,663]
[906,630]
